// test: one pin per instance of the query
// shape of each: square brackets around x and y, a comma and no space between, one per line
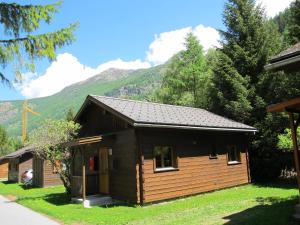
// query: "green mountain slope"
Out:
[118,83]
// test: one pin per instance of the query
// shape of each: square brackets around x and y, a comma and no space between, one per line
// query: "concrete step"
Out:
[94,200]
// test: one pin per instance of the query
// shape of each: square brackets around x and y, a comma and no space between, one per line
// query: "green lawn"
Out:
[250,204]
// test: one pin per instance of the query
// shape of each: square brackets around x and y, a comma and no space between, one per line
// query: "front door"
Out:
[103,171]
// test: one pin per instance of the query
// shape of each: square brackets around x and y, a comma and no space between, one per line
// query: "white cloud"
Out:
[166,44]
[120,64]
[273,7]
[67,70]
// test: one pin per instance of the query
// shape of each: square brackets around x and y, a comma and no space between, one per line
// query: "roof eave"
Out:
[151,125]
[282,63]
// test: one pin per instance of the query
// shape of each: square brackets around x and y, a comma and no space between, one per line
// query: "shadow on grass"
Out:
[6,182]
[58,199]
[271,210]
[55,199]
[119,204]
[283,184]
[27,187]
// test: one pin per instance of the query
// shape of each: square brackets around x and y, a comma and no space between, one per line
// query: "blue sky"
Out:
[129,34]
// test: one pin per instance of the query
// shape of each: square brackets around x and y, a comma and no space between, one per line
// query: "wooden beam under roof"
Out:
[85,141]
[292,105]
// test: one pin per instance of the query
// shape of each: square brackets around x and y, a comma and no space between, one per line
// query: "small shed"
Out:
[3,168]
[144,152]
[24,159]
[18,162]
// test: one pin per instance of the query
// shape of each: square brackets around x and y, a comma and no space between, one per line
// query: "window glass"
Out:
[163,157]
[213,152]
[233,154]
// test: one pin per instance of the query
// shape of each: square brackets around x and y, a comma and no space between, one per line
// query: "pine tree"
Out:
[294,27]
[22,47]
[70,115]
[3,137]
[249,40]
[229,91]
[186,76]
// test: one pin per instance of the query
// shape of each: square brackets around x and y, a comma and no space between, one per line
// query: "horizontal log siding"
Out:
[123,178]
[4,169]
[50,178]
[196,173]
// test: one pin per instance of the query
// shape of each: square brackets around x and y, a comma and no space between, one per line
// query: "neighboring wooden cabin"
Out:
[19,162]
[3,168]
[145,152]
[44,174]
[24,159]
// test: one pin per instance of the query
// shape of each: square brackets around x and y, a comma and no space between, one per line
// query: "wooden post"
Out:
[295,146]
[83,176]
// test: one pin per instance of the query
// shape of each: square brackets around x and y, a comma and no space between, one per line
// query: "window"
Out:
[234,155]
[164,158]
[213,152]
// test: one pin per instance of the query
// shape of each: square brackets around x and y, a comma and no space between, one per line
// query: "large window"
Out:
[164,158]
[234,155]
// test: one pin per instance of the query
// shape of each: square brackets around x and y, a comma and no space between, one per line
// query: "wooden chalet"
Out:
[3,168]
[142,152]
[289,61]
[24,159]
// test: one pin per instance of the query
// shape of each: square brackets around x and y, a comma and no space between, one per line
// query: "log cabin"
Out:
[3,169]
[24,159]
[18,162]
[143,152]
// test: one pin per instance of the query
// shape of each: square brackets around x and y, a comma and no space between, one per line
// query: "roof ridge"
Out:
[157,103]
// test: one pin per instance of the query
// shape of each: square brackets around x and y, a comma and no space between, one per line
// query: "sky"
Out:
[125,34]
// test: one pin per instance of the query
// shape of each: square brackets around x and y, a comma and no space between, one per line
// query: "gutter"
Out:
[194,127]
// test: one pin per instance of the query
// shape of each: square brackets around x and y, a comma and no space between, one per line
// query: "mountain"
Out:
[135,84]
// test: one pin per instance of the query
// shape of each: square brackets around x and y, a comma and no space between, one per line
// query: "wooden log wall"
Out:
[197,172]
[4,169]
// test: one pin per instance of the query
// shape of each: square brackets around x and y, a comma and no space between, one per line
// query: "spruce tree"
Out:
[229,91]
[21,46]
[294,27]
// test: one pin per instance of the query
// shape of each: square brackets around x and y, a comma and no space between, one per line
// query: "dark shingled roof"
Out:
[288,53]
[148,114]
[19,152]
[287,60]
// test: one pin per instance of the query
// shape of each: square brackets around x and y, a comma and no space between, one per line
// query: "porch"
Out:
[90,170]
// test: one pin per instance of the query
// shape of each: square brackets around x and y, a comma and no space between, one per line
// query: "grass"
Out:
[247,205]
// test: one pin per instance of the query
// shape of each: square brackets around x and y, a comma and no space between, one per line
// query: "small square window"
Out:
[213,152]
[164,158]
[234,155]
